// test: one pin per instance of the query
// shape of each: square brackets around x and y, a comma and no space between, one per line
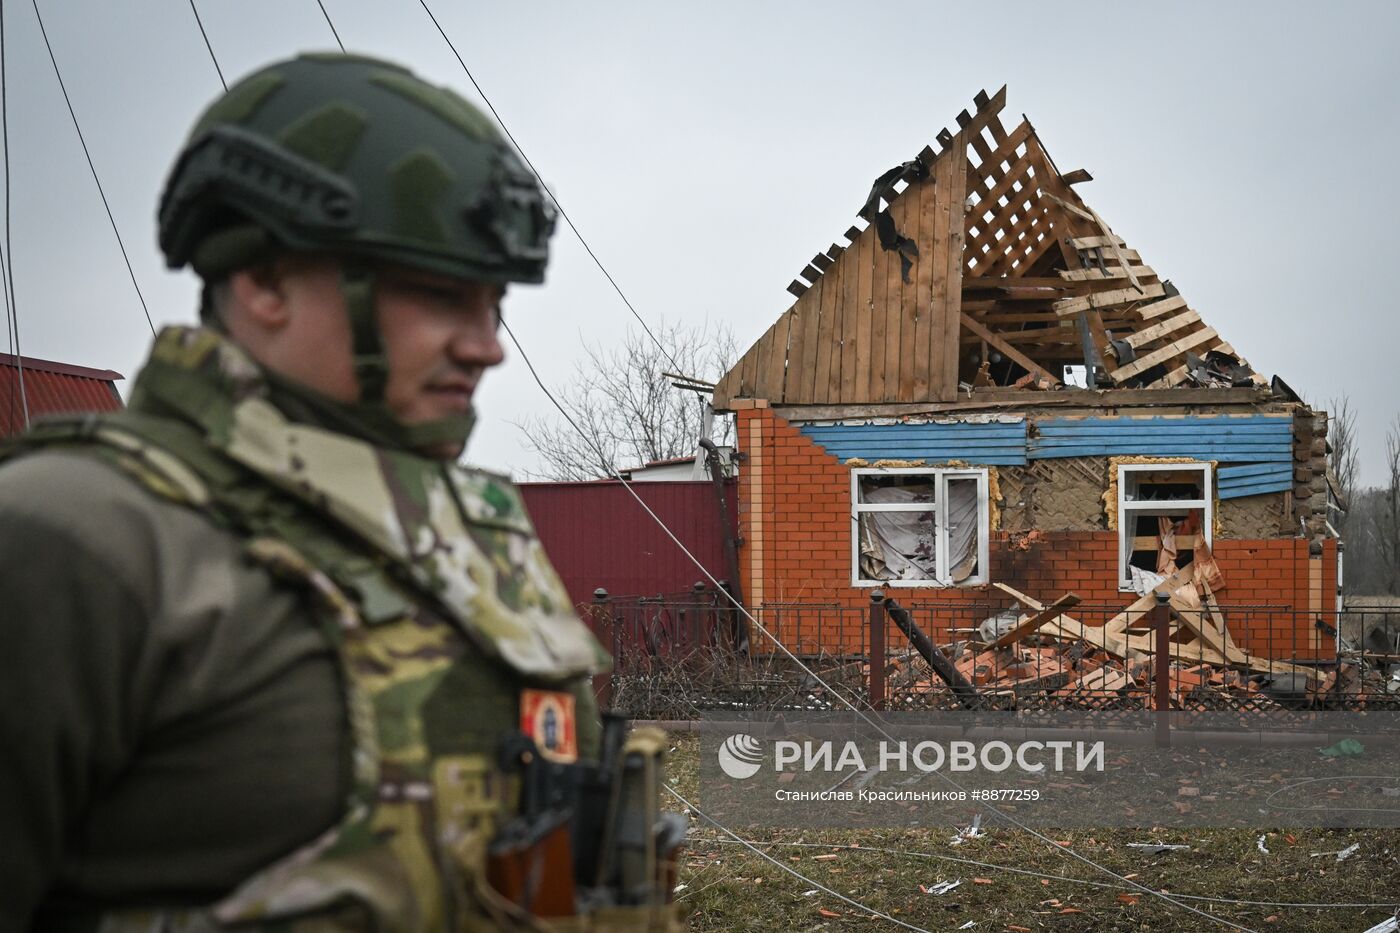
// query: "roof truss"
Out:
[1014,277]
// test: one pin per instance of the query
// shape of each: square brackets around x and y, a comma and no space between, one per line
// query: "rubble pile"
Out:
[1038,654]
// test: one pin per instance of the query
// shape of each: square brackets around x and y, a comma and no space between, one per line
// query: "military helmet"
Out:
[354,156]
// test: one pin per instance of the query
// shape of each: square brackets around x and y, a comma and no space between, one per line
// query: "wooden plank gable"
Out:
[1014,278]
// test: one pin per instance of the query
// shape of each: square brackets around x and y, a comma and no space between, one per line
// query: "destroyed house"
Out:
[983,387]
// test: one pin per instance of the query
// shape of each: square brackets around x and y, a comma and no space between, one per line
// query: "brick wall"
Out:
[795,521]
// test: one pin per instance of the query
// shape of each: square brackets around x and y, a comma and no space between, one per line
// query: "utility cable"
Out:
[328,23]
[572,226]
[1064,850]
[12,329]
[560,207]
[92,168]
[195,10]
[787,868]
[1269,800]
[7,261]
[1049,842]
[908,853]
[11,340]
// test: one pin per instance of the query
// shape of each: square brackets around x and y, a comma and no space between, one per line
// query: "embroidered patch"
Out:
[548,717]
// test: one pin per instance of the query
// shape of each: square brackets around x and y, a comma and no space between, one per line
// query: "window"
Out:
[918,527]
[1164,510]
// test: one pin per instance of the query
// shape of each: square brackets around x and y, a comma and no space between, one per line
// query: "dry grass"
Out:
[728,887]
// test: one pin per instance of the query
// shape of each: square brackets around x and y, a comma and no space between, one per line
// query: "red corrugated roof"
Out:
[52,388]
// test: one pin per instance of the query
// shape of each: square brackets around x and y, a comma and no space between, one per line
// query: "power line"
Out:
[10,340]
[1047,840]
[532,371]
[562,213]
[131,273]
[1070,853]
[92,168]
[1055,846]
[1066,851]
[328,23]
[11,311]
[669,533]
[195,10]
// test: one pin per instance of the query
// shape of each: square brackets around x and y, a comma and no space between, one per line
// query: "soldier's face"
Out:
[438,333]
[440,337]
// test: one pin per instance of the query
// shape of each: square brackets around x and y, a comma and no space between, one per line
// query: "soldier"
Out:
[269,657]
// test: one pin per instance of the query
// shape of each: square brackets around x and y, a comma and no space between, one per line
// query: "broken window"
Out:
[919,527]
[1164,516]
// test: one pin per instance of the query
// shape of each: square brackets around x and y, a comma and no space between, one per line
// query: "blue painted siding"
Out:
[986,444]
[1253,439]
[1256,439]
[1234,482]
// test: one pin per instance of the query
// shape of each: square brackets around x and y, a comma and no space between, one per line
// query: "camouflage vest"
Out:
[430,583]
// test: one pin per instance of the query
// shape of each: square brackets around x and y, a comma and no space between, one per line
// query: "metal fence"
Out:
[678,655]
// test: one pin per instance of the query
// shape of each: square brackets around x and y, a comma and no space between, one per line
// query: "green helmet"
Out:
[355,156]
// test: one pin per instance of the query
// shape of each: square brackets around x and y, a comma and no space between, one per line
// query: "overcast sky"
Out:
[707,150]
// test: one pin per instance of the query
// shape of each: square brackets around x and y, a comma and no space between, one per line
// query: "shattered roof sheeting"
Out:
[983,258]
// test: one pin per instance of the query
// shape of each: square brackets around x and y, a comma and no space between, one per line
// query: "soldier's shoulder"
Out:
[86,494]
[92,516]
[60,472]
[70,486]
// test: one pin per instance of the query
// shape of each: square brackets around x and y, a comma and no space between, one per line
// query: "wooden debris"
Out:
[1050,654]
[1035,620]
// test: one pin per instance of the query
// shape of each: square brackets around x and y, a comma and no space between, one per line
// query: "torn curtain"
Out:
[902,545]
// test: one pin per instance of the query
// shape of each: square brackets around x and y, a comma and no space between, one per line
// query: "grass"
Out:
[728,887]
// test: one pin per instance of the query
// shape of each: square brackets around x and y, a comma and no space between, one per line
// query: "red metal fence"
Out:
[597,535]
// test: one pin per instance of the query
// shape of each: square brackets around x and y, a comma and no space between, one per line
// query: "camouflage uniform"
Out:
[425,583]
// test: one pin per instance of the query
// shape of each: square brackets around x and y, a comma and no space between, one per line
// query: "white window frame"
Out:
[940,510]
[1127,529]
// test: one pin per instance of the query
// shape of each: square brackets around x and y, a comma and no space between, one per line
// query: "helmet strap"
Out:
[371,364]
[207,317]
[357,285]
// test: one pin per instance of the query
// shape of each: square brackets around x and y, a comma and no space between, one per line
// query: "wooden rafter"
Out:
[1009,259]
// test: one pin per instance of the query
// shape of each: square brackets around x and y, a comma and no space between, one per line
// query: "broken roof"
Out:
[982,266]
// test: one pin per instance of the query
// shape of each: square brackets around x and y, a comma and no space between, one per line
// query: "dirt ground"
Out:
[1009,880]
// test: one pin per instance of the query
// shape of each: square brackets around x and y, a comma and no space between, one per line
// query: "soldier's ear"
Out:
[257,295]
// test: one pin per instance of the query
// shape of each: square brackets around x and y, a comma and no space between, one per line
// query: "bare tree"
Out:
[1345,458]
[1373,558]
[630,413]
[1386,519]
